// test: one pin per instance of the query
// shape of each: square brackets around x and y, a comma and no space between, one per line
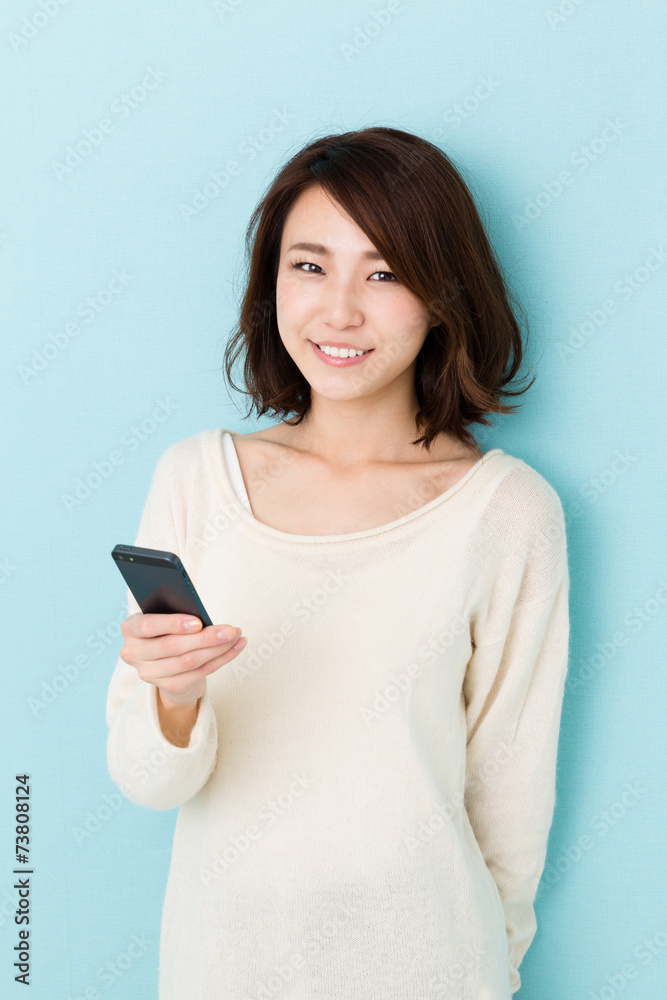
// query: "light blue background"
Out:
[252,82]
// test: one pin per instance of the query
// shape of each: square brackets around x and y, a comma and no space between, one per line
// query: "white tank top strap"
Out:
[234,470]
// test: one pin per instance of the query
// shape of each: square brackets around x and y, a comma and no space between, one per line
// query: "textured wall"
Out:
[137,139]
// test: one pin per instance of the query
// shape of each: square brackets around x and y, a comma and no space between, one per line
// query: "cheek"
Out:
[280,295]
[407,318]
[291,304]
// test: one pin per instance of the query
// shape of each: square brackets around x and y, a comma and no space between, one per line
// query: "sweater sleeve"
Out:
[148,769]
[513,689]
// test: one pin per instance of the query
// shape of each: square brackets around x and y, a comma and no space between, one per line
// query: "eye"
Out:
[300,263]
[387,272]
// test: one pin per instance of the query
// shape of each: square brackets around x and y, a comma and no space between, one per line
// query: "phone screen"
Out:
[159,582]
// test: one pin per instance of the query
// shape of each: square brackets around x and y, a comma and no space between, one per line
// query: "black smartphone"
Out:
[158,582]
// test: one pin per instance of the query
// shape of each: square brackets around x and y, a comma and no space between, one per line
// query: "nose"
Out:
[340,307]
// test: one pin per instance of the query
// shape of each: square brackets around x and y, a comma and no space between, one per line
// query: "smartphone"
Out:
[158,582]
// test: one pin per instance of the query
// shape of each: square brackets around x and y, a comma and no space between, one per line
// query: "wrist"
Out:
[176,707]
[177,719]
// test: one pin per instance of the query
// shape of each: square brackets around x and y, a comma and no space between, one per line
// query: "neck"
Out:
[366,431]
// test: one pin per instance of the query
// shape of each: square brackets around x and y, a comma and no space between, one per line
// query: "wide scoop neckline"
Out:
[245,517]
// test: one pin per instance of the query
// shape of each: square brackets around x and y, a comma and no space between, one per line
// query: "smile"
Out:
[339,357]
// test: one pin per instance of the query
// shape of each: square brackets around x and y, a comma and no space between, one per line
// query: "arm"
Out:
[150,768]
[176,719]
[513,688]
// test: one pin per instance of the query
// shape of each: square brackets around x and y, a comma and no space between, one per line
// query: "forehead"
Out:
[317,219]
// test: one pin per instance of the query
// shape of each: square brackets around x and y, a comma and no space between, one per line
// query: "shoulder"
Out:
[181,455]
[522,530]
[523,499]
[519,547]
[185,462]
[192,463]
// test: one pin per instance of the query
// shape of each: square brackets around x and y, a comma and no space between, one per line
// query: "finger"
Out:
[219,661]
[168,646]
[141,626]
[186,662]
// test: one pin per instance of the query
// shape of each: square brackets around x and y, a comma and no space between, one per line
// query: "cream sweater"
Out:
[368,790]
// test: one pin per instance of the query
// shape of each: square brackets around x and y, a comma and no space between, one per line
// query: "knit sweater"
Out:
[366,797]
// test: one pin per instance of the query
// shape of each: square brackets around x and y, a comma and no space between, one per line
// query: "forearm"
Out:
[144,757]
[177,720]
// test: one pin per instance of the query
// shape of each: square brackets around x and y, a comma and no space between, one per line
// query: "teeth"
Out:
[340,352]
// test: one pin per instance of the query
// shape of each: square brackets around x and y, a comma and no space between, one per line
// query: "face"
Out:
[339,291]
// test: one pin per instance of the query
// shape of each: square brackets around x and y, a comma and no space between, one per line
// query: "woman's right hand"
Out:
[173,658]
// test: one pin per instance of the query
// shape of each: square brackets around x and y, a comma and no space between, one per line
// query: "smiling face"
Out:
[338,290]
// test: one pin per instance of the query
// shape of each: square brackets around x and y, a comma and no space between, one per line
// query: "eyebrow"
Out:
[325,252]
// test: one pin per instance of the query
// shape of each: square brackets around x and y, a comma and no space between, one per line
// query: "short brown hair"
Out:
[406,195]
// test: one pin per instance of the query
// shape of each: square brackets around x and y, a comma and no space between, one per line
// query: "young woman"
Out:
[366,788]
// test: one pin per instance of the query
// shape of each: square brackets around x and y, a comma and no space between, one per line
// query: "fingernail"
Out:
[227,632]
[240,644]
[192,624]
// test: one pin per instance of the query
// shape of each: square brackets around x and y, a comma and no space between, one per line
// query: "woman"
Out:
[367,788]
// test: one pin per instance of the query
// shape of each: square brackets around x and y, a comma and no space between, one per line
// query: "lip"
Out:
[339,362]
[342,343]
